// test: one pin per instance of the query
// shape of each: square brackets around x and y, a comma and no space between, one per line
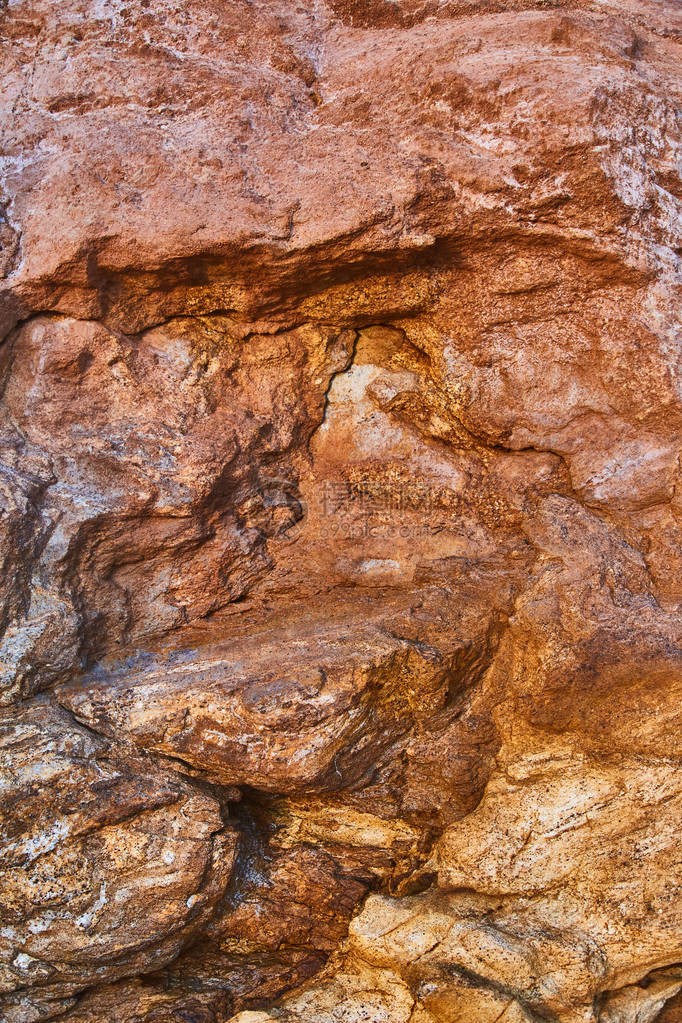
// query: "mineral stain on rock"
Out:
[341,511]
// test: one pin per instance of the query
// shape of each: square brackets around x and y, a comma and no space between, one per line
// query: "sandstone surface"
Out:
[341,515]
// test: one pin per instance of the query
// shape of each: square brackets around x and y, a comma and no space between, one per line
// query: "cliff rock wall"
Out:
[341,516]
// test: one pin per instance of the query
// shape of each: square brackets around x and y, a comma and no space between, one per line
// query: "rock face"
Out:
[91,834]
[341,520]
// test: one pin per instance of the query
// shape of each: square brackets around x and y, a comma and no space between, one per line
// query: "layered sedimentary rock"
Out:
[340,423]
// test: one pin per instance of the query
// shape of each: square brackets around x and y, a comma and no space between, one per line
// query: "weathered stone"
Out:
[340,535]
[108,865]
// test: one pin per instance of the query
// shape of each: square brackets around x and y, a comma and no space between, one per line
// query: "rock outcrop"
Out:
[341,521]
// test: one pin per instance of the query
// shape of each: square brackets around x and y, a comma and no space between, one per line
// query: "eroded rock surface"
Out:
[340,530]
[91,833]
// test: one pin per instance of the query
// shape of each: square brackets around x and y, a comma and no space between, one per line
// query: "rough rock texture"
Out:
[341,519]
